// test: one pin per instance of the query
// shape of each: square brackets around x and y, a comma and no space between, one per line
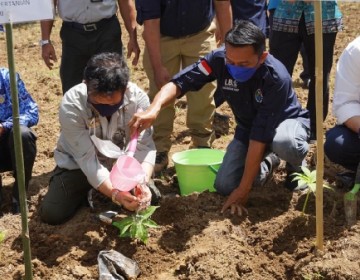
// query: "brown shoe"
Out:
[161,161]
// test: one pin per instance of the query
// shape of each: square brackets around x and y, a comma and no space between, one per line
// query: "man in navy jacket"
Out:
[270,119]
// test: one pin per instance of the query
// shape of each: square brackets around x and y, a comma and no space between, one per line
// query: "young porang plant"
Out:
[308,178]
[136,226]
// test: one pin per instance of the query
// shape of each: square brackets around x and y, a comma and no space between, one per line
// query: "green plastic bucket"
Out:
[196,169]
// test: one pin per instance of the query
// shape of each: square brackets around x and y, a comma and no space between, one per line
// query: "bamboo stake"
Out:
[319,124]
[20,175]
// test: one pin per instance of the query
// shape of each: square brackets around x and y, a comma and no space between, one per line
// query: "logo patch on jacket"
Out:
[259,96]
[204,67]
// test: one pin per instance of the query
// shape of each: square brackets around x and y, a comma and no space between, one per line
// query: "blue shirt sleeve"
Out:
[195,76]
[28,109]
[146,9]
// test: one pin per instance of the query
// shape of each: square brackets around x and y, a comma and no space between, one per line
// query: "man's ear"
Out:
[263,57]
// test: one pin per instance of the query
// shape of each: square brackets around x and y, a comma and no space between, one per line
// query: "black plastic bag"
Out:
[115,266]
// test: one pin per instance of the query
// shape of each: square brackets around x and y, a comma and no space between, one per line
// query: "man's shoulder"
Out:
[75,95]
[275,71]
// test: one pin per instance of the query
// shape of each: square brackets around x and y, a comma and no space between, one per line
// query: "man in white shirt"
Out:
[342,144]
[92,114]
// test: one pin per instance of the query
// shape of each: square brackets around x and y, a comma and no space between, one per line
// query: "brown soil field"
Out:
[194,240]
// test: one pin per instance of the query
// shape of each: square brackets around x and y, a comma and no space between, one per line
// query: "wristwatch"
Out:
[114,193]
[44,42]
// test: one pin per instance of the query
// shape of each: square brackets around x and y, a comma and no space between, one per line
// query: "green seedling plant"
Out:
[136,226]
[309,178]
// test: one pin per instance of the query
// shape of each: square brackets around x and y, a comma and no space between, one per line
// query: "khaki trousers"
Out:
[176,54]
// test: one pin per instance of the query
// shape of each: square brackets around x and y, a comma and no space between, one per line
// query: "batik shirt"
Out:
[28,109]
[288,14]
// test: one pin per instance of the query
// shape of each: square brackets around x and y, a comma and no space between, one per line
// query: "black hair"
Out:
[105,73]
[246,33]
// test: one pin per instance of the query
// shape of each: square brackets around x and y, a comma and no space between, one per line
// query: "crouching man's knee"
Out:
[224,187]
[52,215]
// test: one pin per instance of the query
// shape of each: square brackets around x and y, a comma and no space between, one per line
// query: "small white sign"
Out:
[13,11]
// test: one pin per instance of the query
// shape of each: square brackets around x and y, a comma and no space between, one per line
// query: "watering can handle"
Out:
[133,140]
[133,143]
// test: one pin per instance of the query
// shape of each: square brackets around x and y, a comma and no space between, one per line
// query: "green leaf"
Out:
[140,229]
[137,225]
[133,230]
[124,222]
[125,229]
[312,187]
[125,234]
[146,213]
[142,233]
[305,170]
[150,224]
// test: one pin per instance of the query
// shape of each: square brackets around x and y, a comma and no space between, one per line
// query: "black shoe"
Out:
[273,162]
[221,117]
[155,193]
[293,185]
[345,179]
[161,161]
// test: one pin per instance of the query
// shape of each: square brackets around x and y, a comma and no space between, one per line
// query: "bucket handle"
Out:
[213,169]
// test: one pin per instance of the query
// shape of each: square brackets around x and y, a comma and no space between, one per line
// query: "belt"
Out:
[89,27]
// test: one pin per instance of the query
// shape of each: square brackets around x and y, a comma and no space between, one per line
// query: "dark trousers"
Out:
[342,146]
[304,75]
[7,155]
[67,192]
[78,46]
[285,47]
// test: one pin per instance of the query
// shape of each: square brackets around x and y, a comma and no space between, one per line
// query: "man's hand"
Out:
[236,202]
[143,193]
[128,201]
[142,120]
[133,47]
[48,54]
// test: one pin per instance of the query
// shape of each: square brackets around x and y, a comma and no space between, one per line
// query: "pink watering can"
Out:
[127,172]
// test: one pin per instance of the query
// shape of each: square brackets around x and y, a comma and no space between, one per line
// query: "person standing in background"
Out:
[253,10]
[293,25]
[88,28]
[304,75]
[177,33]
